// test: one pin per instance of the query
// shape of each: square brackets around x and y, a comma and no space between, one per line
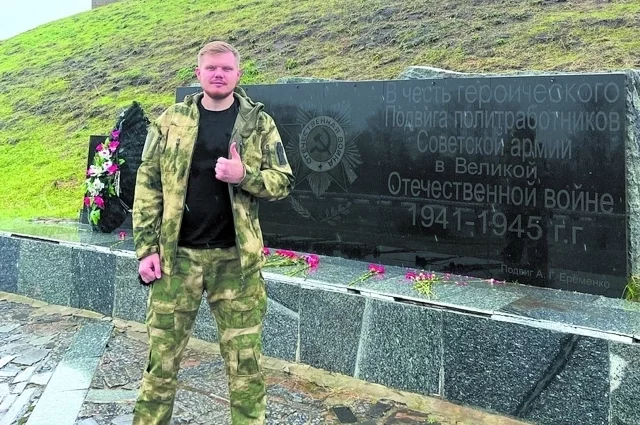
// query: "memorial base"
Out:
[542,355]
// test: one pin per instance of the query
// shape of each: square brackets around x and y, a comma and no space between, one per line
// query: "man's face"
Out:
[218,75]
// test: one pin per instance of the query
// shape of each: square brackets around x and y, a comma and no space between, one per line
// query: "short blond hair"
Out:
[217,47]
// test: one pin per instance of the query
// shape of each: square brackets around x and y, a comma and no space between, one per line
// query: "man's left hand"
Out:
[230,170]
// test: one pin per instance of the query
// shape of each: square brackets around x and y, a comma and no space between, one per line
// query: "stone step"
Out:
[64,394]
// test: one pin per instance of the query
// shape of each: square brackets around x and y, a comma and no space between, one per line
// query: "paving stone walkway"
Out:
[64,366]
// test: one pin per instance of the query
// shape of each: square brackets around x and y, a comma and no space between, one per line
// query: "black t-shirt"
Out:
[208,220]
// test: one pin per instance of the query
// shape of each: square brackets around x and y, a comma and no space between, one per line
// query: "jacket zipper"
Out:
[175,159]
[235,219]
[184,196]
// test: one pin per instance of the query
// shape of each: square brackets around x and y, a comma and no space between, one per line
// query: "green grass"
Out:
[632,290]
[66,80]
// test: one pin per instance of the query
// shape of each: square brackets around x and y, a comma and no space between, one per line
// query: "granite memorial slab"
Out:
[47,411]
[130,297]
[330,316]
[45,272]
[534,374]
[625,381]
[10,249]
[400,347]
[280,331]
[518,178]
[579,392]
[94,281]
[285,294]
[586,314]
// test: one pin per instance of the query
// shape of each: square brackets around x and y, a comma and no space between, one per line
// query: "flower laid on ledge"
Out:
[423,281]
[102,176]
[122,235]
[373,270]
[284,258]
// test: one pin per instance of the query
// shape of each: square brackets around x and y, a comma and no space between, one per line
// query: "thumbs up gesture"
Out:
[230,170]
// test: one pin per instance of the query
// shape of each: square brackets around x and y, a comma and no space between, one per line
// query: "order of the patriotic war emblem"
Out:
[324,156]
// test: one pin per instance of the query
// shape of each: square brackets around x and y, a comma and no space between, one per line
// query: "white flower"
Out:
[105,154]
[106,165]
[98,186]
[95,187]
[94,171]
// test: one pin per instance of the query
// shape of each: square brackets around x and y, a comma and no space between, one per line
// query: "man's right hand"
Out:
[149,268]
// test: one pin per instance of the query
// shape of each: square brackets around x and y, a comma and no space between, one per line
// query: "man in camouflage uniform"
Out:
[205,163]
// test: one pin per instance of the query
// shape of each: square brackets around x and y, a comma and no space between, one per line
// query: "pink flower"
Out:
[447,276]
[376,268]
[313,261]
[99,201]
[87,201]
[115,134]
[411,275]
[288,254]
[266,251]
[99,147]
[112,169]
[113,146]
[122,235]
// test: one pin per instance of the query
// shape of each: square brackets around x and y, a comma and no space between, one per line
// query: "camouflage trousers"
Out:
[238,310]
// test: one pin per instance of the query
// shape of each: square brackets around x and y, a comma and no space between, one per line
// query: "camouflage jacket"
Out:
[162,178]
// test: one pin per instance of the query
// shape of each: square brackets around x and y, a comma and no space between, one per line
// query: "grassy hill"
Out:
[66,80]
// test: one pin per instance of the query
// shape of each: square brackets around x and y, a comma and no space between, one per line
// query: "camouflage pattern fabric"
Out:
[232,278]
[163,175]
[171,311]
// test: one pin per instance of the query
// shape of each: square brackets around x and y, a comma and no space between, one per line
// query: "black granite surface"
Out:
[625,383]
[285,294]
[579,392]
[130,297]
[330,328]
[280,331]
[94,281]
[491,176]
[540,375]
[401,347]
[45,272]
[494,365]
[577,310]
[10,254]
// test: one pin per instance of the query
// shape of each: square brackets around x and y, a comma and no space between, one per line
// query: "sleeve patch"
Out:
[282,157]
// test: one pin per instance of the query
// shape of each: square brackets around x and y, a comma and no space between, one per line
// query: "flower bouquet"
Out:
[102,184]
[284,258]
[423,281]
